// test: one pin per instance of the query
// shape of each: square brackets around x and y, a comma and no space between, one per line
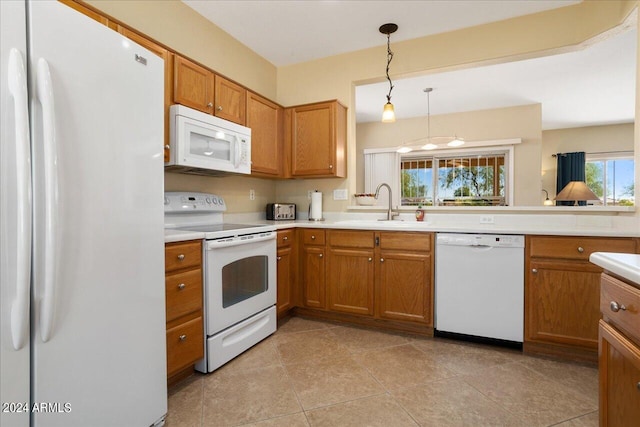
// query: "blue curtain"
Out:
[571,167]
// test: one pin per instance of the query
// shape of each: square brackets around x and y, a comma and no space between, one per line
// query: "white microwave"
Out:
[207,145]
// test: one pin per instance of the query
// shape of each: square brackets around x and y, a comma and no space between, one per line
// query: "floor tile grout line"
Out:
[571,419]
[345,401]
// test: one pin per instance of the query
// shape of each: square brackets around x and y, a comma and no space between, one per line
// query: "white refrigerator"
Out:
[82,320]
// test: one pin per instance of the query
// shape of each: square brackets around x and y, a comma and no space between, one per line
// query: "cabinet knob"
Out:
[534,270]
[638,386]
[278,258]
[370,259]
[181,286]
[615,307]
[182,337]
[381,259]
[330,166]
[285,238]
[210,104]
[181,257]
[219,108]
[580,249]
[320,255]
[313,237]
[167,147]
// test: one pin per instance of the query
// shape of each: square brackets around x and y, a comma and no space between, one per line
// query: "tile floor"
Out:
[312,373]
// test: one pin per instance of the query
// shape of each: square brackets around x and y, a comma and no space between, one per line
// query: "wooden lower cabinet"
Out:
[562,294]
[619,352]
[386,277]
[286,257]
[184,302]
[404,287]
[404,277]
[350,271]
[312,262]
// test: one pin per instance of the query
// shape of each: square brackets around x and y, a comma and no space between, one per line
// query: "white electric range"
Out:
[239,267]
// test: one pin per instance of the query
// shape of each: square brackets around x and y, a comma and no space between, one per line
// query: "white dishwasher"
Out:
[479,286]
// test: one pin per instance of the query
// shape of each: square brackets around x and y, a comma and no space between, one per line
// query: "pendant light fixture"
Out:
[388,114]
[454,141]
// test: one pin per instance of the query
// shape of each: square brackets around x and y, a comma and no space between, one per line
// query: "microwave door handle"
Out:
[236,160]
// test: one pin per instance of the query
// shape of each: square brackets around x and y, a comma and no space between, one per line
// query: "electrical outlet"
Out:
[486,219]
[340,194]
[252,194]
[309,194]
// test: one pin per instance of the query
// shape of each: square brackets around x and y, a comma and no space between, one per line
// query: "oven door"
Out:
[240,279]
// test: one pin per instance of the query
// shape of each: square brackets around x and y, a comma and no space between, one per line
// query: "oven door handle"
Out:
[237,241]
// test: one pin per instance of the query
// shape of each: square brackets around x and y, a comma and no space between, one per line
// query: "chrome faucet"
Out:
[390,213]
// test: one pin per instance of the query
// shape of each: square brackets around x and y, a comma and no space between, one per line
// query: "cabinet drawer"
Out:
[577,247]
[285,238]
[313,236]
[620,304]
[185,345]
[182,255]
[351,239]
[406,241]
[183,293]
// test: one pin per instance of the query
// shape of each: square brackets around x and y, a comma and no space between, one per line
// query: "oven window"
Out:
[244,279]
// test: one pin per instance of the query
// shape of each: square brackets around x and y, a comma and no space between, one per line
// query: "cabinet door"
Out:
[265,120]
[350,281]
[230,101]
[318,136]
[167,56]
[404,287]
[619,368]
[313,276]
[193,85]
[284,279]
[562,303]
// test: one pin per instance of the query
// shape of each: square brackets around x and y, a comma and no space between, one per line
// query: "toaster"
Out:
[281,211]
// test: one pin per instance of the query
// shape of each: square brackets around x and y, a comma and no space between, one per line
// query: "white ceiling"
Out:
[594,86]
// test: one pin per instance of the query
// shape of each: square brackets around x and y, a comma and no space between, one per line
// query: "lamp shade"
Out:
[388,114]
[576,191]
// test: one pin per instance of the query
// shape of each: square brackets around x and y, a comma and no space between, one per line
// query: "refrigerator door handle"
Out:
[17,85]
[44,90]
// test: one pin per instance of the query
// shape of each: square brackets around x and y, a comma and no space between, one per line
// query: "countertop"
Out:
[490,223]
[626,266]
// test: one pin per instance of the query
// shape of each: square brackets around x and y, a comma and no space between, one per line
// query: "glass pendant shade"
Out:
[388,114]
[457,142]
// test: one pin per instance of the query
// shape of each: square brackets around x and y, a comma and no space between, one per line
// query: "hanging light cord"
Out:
[389,58]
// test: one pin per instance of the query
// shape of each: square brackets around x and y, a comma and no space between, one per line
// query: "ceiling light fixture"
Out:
[388,114]
[455,141]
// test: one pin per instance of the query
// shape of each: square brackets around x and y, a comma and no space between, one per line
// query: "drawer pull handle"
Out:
[534,271]
[615,307]
[181,257]
[182,337]
[278,258]
[285,238]
[181,286]
[580,249]
[313,237]
[638,386]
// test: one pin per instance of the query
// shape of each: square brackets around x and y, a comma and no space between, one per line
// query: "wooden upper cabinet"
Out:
[230,101]
[193,85]
[265,120]
[318,134]
[167,56]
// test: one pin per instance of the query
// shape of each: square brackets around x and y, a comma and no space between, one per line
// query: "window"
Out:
[470,178]
[611,177]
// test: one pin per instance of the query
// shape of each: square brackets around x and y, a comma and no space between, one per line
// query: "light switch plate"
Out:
[340,194]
